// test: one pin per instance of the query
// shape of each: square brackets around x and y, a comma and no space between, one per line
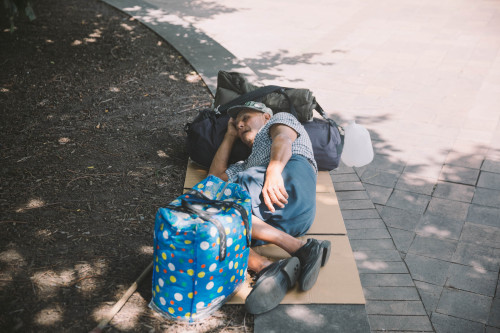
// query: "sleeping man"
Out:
[280,175]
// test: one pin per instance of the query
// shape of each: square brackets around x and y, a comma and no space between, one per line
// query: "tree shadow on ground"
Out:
[439,210]
[190,10]
[94,107]
[267,65]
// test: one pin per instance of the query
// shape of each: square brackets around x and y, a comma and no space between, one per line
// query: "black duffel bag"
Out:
[206,132]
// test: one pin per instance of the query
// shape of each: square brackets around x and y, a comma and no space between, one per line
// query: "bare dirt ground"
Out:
[93,106]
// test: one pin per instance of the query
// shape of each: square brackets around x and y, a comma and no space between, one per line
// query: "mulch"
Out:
[93,108]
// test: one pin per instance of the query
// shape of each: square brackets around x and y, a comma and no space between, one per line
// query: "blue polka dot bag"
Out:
[201,247]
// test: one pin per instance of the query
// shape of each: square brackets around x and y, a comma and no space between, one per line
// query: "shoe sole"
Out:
[271,292]
[292,270]
[307,280]
[326,245]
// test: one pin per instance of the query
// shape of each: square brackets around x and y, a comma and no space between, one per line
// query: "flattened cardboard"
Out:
[328,218]
[324,183]
[195,173]
[338,281]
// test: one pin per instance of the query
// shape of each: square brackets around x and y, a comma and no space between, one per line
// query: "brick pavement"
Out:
[424,77]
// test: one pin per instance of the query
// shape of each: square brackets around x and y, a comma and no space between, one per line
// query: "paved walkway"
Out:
[424,77]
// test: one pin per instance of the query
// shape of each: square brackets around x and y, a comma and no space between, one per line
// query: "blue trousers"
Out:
[300,183]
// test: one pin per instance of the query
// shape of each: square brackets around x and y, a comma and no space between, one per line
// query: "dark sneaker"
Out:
[313,255]
[272,284]
[327,249]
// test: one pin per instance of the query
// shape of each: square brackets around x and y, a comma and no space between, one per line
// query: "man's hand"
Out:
[231,128]
[221,159]
[273,191]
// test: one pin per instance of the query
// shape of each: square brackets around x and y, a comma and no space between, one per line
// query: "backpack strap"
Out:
[332,122]
[255,95]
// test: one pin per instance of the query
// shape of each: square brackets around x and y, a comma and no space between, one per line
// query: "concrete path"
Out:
[424,77]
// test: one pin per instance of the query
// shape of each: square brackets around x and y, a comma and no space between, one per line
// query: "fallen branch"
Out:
[107,318]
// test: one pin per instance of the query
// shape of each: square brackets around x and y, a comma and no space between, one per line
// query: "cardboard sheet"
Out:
[338,281]
[328,218]
[195,173]
[324,183]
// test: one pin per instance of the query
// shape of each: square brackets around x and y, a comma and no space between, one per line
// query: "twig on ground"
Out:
[84,278]
[107,318]
[114,48]
[12,221]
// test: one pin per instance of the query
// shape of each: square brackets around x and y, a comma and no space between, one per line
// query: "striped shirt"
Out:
[261,150]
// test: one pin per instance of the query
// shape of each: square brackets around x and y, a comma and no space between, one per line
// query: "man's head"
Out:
[249,119]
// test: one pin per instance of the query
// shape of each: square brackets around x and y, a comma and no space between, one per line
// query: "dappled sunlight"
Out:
[306,315]
[360,255]
[16,262]
[92,38]
[161,154]
[44,233]
[434,231]
[127,318]
[87,274]
[11,257]
[32,204]
[64,140]
[49,316]
[373,265]
[191,11]
[478,267]
[127,27]
[96,34]
[362,261]
[271,65]
[155,16]
[193,77]
[146,250]
[48,282]
[51,278]
[82,277]
[132,9]
[129,315]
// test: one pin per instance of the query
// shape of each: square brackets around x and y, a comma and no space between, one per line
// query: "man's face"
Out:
[248,123]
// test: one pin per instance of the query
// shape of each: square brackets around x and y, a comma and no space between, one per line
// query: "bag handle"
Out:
[186,207]
[208,217]
[231,204]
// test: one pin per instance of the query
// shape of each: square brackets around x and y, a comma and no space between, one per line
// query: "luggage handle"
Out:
[207,217]
[186,207]
[234,205]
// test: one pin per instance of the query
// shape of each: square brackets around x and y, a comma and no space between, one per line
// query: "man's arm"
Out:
[221,159]
[273,191]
